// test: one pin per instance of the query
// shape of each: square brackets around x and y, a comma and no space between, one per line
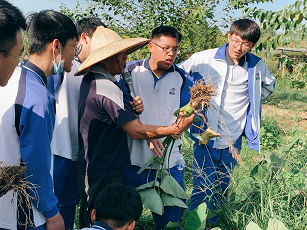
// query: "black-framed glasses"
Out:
[77,48]
[245,46]
[167,50]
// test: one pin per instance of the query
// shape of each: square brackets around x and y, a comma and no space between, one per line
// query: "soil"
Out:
[286,118]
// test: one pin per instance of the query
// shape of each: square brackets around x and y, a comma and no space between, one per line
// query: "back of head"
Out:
[246,29]
[118,204]
[11,21]
[88,26]
[168,31]
[47,25]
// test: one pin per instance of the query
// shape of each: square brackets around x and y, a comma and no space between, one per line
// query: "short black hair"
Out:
[88,26]
[118,204]
[168,31]
[47,25]
[246,29]
[11,21]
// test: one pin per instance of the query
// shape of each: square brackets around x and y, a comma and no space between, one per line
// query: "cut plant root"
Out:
[12,178]
[201,98]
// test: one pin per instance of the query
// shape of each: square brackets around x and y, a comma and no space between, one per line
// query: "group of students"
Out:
[66,116]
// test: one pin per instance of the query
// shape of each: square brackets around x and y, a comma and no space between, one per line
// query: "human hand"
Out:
[137,104]
[55,223]
[177,136]
[183,123]
[156,146]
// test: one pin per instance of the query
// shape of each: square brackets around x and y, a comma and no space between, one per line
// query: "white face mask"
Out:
[57,68]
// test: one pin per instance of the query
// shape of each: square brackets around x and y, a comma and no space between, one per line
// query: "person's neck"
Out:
[43,62]
[154,68]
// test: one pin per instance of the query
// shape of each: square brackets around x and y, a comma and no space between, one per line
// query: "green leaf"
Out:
[259,173]
[147,164]
[169,200]
[275,162]
[244,189]
[274,44]
[152,200]
[213,213]
[170,186]
[148,185]
[196,135]
[262,16]
[172,226]
[252,226]
[297,5]
[196,220]
[275,224]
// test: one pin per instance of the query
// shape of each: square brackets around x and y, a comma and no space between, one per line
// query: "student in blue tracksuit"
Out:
[64,145]
[27,119]
[241,80]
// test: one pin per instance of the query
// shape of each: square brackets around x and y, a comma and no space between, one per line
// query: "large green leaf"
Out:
[172,226]
[244,189]
[148,185]
[196,220]
[275,224]
[252,226]
[170,186]
[259,173]
[275,162]
[152,200]
[169,200]
[147,164]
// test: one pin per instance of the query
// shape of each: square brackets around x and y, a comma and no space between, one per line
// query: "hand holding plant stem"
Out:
[166,191]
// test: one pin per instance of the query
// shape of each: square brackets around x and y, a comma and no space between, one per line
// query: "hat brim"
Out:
[128,45]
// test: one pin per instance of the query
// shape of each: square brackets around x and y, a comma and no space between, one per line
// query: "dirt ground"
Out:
[286,118]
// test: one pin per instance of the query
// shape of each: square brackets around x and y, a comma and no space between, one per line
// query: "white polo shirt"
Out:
[234,103]
[161,98]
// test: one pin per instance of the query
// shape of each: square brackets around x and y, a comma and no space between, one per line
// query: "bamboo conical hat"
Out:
[106,43]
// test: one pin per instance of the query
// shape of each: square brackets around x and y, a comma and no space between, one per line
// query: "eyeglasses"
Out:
[4,51]
[235,44]
[167,50]
[77,48]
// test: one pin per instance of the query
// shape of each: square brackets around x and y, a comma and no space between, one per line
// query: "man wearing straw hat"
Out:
[105,118]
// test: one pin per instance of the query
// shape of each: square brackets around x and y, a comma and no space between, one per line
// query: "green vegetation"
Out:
[272,190]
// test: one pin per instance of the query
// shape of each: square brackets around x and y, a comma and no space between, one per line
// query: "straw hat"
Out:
[106,43]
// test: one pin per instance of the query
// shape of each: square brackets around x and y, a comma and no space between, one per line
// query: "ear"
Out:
[228,37]
[131,225]
[55,44]
[93,215]
[84,37]
[150,47]
[253,45]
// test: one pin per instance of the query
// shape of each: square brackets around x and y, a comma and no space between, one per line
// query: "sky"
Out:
[27,6]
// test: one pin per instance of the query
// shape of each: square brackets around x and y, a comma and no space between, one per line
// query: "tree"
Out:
[291,24]
[196,19]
